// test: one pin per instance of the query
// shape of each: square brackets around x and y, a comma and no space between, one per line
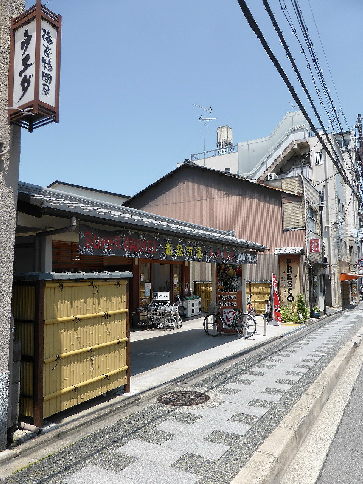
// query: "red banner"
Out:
[276,300]
[314,246]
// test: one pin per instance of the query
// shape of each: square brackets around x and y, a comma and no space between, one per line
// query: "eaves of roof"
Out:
[87,188]
[190,164]
[55,202]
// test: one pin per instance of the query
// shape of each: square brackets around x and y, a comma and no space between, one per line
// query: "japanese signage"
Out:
[289,278]
[314,245]
[48,64]
[34,68]
[276,300]
[24,65]
[153,246]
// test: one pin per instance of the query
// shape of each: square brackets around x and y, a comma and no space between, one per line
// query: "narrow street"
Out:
[204,428]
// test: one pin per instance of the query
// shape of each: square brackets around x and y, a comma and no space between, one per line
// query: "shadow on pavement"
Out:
[151,353]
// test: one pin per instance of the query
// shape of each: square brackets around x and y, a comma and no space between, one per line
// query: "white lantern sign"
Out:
[34,68]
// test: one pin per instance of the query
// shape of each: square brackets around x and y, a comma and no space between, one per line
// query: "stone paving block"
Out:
[95,475]
[147,472]
[151,452]
[204,448]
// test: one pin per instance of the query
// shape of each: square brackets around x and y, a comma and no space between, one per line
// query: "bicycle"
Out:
[250,308]
[242,324]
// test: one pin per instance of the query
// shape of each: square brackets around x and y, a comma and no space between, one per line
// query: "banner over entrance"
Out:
[127,243]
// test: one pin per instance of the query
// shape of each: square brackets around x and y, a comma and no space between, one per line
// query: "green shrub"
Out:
[295,312]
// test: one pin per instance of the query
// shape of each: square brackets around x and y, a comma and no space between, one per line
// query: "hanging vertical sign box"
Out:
[34,68]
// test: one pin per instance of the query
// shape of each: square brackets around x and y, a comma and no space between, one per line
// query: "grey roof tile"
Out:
[63,201]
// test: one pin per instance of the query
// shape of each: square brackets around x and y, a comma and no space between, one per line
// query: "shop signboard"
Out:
[314,246]
[34,68]
[127,243]
[289,278]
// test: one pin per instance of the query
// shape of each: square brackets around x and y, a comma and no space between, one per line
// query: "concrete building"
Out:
[9,166]
[292,151]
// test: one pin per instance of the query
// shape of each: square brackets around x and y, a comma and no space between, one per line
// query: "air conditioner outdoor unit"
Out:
[272,176]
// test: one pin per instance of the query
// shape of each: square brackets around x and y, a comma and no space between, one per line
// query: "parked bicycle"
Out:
[161,315]
[230,321]
[250,308]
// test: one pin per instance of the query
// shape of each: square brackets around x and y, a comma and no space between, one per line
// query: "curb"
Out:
[270,460]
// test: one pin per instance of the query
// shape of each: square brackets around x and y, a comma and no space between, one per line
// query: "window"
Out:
[318,157]
[312,220]
[293,215]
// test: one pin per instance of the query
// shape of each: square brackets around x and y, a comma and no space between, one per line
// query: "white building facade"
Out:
[291,151]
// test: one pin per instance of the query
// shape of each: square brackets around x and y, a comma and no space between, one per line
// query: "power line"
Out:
[330,111]
[327,63]
[252,23]
[297,72]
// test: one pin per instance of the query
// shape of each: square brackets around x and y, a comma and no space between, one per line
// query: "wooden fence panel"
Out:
[84,337]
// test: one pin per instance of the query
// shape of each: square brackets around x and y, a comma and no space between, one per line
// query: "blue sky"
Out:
[131,71]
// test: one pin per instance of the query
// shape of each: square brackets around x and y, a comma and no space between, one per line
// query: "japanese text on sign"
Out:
[47,64]
[24,65]
[127,243]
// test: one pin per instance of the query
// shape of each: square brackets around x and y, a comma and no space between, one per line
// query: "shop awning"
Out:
[348,277]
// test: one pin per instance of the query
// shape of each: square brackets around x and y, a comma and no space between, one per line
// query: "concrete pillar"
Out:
[45,254]
[9,176]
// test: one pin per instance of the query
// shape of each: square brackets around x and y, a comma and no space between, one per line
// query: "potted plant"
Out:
[315,312]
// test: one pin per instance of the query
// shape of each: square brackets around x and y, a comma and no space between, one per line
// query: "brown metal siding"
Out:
[222,202]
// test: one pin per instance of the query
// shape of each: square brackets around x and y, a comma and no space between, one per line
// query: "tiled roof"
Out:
[58,201]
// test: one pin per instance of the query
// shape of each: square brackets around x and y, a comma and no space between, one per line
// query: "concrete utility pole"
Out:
[9,176]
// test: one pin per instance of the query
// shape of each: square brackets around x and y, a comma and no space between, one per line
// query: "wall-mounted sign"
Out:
[127,243]
[34,68]
[289,250]
[314,245]
[289,278]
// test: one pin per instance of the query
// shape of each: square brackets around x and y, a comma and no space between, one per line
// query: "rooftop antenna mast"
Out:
[204,120]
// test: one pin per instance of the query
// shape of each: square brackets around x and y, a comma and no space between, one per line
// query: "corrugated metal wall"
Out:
[85,338]
[215,200]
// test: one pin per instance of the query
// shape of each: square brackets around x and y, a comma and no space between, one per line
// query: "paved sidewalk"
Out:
[191,350]
[205,443]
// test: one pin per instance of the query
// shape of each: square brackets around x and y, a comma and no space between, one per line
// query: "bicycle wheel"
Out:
[249,325]
[238,324]
[212,325]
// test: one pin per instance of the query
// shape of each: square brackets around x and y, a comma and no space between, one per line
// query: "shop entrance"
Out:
[161,277]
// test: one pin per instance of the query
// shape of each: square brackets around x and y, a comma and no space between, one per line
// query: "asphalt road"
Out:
[344,462]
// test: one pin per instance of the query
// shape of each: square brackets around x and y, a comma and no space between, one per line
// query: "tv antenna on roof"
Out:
[204,120]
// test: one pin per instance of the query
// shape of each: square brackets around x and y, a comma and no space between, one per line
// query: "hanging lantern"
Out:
[34,68]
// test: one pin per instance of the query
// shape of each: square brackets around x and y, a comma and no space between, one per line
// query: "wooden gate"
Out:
[260,294]
[75,342]
[204,291]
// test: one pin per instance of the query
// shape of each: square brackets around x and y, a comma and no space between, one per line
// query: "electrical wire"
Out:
[328,66]
[297,72]
[330,110]
[251,21]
